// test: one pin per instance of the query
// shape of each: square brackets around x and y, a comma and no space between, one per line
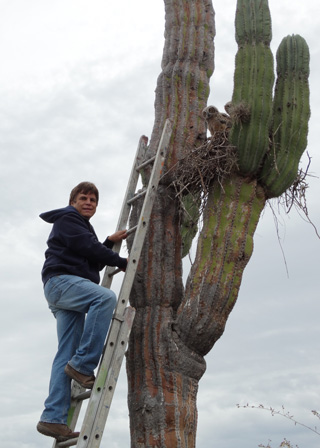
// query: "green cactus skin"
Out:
[253,83]
[291,112]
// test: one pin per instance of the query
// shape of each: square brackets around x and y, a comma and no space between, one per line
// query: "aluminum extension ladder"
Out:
[101,395]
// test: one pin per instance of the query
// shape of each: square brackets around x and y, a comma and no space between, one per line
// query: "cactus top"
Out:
[253,22]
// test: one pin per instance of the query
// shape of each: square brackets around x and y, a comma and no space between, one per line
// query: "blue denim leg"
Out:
[80,340]
[69,330]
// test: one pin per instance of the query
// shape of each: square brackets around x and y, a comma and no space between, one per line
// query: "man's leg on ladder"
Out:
[54,417]
[81,340]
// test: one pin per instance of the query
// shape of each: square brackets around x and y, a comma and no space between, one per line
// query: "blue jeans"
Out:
[80,339]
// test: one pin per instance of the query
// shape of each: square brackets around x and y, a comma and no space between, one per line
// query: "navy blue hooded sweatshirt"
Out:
[74,249]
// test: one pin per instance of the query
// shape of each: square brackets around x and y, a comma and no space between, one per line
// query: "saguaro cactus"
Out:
[176,326]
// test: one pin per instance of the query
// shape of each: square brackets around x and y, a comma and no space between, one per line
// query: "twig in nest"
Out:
[213,161]
[296,195]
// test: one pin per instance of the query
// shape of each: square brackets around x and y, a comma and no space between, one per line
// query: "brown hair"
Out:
[85,188]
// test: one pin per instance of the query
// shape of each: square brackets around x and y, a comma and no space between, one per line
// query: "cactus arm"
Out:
[253,83]
[224,248]
[291,112]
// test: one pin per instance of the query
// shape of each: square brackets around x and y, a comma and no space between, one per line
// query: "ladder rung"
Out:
[137,196]
[83,396]
[118,317]
[70,442]
[147,162]
[116,271]
[133,229]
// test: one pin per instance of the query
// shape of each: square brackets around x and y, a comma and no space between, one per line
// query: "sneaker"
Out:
[57,430]
[85,381]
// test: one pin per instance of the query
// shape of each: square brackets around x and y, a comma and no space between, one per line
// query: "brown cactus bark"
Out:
[183,85]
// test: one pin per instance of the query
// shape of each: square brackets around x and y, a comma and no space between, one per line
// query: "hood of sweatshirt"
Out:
[53,215]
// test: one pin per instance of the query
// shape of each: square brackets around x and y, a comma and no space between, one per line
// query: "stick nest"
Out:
[213,161]
[216,160]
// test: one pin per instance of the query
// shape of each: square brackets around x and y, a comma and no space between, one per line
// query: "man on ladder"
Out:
[71,285]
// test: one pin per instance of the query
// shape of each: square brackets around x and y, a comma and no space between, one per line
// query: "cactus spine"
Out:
[253,83]
[291,112]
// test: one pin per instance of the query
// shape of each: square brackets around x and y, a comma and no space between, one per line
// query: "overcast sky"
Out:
[77,83]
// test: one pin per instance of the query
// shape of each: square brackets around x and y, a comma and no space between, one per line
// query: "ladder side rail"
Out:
[143,222]
[93,426]
[94,403]
[101,378]
[138,241]
[75,405]
[74,411]
[125,210]
[102,374]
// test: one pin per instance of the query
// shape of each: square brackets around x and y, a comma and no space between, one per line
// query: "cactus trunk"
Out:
[162,386]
